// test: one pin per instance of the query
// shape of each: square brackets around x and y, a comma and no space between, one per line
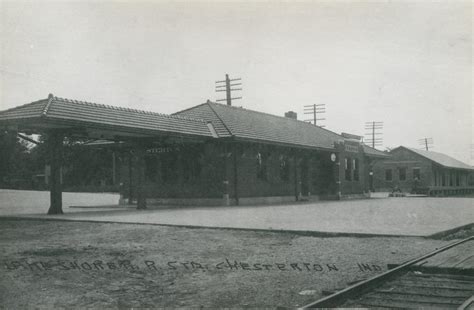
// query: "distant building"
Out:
[420,171]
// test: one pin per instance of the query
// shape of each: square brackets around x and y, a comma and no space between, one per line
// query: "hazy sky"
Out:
[406,63]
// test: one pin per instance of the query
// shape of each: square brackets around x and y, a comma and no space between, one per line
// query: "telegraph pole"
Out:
[315,109]
[426,142]
[374,135]
[227,86]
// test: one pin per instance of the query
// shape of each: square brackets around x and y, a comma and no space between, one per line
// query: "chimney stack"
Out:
[291,114]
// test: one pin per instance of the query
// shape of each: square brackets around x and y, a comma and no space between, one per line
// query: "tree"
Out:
[83,166]
[14,152]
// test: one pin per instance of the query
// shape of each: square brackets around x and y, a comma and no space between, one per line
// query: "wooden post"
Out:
[295,164]
[113,168]
[130,177]
[55,149]
[227,90]
[236,176]
[225,182]
[141,166]
[337,171]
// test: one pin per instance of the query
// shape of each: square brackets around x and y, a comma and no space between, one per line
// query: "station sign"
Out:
[353,148]
[158,150]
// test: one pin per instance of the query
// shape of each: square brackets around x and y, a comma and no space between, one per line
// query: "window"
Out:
[457,179]
[169,167]
[416,174]
[261,166]
[348,169]
[284,168]
[151,171]
[443,179]
[192,166]
[356,169]
[388,175]
[402,174]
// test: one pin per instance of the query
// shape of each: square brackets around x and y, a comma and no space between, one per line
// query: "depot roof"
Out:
[55,112]
[246,124]
[252,125]
[207,120]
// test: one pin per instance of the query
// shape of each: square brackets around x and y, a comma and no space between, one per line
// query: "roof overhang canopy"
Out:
[100,121]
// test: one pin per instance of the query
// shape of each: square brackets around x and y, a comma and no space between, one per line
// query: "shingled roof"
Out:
[70,113]
[205,120]
[206,112]
[439,158]
[257,126]
[374,152]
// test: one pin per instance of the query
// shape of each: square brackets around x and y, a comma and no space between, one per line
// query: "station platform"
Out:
[418,216]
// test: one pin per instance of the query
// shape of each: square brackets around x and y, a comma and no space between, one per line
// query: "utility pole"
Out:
[374,135]
[315,109]
[426,142]
[226,85]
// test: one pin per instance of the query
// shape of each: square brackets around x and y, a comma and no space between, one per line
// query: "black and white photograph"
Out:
[236,154]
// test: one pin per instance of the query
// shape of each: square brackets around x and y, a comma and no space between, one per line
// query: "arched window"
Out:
[348,169]
[261,166]
[356,169]
[284,168]
[169,167]
[192,165]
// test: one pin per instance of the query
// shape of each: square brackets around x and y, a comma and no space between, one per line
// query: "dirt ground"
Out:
[49,264]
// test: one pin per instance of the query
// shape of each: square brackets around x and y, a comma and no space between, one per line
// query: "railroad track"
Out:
[441,279]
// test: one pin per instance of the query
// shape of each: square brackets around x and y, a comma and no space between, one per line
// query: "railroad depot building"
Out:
[420,171]
[255,158]
[210,154]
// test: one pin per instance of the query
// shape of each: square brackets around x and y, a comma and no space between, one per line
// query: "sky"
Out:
[407,64]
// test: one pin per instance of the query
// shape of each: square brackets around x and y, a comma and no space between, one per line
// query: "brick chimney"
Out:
[291,114]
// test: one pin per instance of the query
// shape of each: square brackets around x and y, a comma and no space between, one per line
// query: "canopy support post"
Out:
[55,149]
[141,167]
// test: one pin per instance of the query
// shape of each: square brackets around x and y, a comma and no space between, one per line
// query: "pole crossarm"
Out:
[374,138]
[227,88]
[314,109]
[426,143]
